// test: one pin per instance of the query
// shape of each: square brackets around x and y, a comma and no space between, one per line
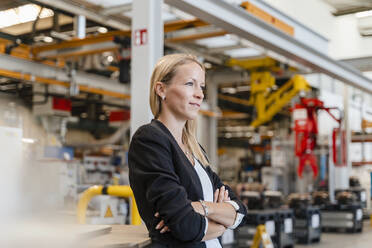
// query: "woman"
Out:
[181,200]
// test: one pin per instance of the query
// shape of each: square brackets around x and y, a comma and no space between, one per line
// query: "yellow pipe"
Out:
[116,190]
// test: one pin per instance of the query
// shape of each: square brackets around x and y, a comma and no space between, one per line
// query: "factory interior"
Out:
[286,119]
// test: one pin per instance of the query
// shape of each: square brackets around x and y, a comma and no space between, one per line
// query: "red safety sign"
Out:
[140,37]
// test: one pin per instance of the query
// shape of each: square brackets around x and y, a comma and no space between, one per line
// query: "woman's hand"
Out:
[221,195]
[198,207]
[161,225]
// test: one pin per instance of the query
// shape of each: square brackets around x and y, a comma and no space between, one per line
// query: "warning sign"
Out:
[108,213]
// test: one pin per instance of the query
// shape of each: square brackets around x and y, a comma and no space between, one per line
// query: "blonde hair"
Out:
[164,71]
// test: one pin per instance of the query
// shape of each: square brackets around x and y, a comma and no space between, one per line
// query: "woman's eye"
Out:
[190,83]
[202,87]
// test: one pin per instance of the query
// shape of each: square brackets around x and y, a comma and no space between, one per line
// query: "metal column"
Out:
[342,174]
[147,48]
[79,26]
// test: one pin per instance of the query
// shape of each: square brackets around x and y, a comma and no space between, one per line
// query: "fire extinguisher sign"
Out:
[140,37]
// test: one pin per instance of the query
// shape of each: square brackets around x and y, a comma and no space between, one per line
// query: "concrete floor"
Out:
[345,240]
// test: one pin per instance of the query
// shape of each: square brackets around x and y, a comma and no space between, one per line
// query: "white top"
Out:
[208,196]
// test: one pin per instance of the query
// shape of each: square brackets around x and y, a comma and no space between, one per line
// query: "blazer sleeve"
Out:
[218,184]
[150,160]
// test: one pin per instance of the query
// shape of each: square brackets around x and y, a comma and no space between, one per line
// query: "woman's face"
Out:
[184,94]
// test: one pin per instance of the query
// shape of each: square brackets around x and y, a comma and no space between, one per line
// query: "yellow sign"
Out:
[108,213]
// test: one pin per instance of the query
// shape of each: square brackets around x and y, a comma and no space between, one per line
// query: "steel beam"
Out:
[14,64]
[362,64]
[238,21]
[118,9]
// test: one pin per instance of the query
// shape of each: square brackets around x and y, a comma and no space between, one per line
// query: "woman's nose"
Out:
[199,94]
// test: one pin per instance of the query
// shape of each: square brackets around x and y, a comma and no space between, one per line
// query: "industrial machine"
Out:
[268,103]
[306,130]
[284,227]
[262,200]
[307,224]
[341,218]
[358,195]
[344,215]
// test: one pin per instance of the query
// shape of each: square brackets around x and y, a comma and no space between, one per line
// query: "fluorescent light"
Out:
[243,52]
[229,90]
[364,14]
[220,41]
[29,141]
[243,88]
[22,14]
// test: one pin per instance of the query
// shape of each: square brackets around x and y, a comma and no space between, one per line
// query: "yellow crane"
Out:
[267,102]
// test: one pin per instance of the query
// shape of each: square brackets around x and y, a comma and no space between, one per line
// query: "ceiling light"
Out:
[48,39]
[213,42]
[110,58]
[243,52]
[243,88]
[207,65]
[228,90]
[28,141]
[102,30]
[228,135]
[363,14]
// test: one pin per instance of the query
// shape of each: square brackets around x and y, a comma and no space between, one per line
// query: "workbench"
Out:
[121,236]
[41,234]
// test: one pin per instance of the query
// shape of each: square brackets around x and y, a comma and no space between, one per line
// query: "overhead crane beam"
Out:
[108,37]
[105,46]
[30,71]
[33,71]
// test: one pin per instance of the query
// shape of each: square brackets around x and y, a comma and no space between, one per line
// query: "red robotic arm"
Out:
[306,128]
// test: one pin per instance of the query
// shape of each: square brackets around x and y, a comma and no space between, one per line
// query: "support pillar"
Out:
[80,26]
[147,48]
[213,134]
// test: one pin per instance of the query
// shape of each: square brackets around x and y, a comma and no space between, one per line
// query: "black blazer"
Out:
[163,180]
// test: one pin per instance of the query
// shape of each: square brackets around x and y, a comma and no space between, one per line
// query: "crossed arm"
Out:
[221,215]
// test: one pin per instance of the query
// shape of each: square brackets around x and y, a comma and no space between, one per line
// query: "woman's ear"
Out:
[160,89]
